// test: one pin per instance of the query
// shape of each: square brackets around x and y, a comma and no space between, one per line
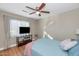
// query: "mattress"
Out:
[47,47]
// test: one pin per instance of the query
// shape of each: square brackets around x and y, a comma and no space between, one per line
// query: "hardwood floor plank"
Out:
[15,51]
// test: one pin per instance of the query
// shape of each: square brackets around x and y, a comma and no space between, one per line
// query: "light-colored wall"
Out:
[63,25]
[11,41]
[2,33]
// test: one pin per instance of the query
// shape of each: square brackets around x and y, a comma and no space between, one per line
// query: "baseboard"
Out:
[2,49]
[13,45]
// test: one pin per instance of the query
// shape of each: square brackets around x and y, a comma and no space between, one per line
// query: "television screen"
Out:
[24,30]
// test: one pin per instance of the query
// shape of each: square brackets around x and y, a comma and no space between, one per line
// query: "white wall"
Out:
[2,33]
[63,25]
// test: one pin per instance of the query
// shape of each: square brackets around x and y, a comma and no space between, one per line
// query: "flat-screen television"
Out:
[24,30]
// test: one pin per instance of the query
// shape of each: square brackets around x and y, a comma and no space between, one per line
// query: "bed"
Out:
[48,47]
[44,47]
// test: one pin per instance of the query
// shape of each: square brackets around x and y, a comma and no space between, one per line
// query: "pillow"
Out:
[67,44]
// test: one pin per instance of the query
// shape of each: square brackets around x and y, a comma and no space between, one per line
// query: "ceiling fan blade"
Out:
[32,13]
[42,6]
[45,11]
[30,8]
[24,11]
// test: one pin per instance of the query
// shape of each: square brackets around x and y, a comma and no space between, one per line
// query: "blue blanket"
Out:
[74,51]
[47,47]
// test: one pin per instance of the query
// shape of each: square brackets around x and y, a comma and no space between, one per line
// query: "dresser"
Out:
[22,40]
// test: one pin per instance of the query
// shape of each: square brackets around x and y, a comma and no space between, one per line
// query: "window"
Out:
[14,26]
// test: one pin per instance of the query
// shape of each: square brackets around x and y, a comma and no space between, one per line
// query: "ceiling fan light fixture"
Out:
[37,12]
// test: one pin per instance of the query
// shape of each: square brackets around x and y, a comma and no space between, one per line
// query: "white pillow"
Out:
[67,44]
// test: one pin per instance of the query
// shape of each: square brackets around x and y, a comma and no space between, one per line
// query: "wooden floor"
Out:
[15,51]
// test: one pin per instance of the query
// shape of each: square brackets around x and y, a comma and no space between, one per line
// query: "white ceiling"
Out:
[52,7]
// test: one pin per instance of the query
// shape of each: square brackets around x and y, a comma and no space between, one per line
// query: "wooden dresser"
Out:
[22,40]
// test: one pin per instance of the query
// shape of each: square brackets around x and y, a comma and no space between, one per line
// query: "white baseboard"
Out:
[2,49]
[13,45]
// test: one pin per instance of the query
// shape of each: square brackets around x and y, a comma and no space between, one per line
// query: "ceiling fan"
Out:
[37,10]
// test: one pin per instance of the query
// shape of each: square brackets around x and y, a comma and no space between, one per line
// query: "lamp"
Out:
[37,12]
